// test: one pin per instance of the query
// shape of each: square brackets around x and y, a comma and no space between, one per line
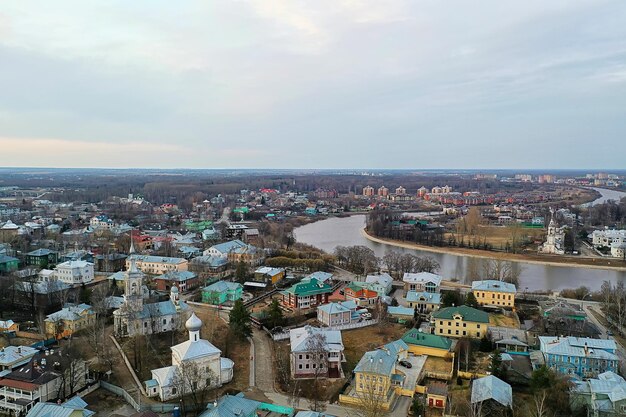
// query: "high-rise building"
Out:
[368,191]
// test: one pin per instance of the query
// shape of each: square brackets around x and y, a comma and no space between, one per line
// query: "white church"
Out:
[555,239]
[196,364]
[135,317]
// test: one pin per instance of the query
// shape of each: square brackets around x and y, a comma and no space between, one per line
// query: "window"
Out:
[457,332]
[478,326]
[464,325]
[173,390]
[307,366]
[299,356]
[477,334]
[441,322]
[440,330]
[449,331]
[464,333]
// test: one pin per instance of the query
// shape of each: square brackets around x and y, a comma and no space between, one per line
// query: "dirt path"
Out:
[263,362]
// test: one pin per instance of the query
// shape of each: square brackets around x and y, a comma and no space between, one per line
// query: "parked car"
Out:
[406,364]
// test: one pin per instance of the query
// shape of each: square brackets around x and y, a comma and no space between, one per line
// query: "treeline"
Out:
[310,261]
[387,224]
[362,260]
[611,213]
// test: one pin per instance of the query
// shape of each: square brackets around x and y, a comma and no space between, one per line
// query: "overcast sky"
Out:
[313,84]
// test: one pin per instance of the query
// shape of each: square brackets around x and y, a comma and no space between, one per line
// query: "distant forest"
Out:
[162,188]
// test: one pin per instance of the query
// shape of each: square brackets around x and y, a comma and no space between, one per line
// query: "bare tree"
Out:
[193,383]
[501,270]
[539,405]
[96,332]
[372,398]
[73,369]
[316,348]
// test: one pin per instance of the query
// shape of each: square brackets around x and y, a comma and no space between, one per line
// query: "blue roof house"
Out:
[581,357]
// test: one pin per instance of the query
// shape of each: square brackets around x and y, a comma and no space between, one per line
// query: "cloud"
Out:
[331,83]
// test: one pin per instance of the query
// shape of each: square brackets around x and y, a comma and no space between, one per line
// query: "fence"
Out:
[357,325]
[136,404]
[260,297]
[122,393]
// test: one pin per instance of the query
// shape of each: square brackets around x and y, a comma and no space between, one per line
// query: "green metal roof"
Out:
[309,287]
[415,337]
[468,314]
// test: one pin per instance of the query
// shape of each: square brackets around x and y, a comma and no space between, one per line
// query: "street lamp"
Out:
[583,300]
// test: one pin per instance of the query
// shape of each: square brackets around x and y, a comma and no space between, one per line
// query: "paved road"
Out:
[621,352]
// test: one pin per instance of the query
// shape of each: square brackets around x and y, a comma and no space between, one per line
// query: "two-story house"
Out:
[69,320]
[305,294]
[360,295]
[494,293]
[381,283]
[337,314]
[461,321]
[425,302]
[74,272]
[184,280]
[316,352]
[42,258]
[222,292]
[379,379]
[157,265]
[580,356]
[421,282]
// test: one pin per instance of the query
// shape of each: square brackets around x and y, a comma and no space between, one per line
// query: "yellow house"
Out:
[267,274]
[461,321]
[376,379]
[421,343]
[69,320]
[157,265]
[494,293]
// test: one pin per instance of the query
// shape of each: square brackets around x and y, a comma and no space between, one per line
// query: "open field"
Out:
[359,341]
[503,321]
[533,258]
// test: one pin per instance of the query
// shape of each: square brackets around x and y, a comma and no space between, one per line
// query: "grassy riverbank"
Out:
[555,260]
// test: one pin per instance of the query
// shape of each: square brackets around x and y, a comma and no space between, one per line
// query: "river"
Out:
[347,231]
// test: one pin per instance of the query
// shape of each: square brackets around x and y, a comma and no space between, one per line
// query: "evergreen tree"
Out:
[239,320]
[85,294]
[470,300]
[275,315]
[485,344]
[451,298]
[496,365]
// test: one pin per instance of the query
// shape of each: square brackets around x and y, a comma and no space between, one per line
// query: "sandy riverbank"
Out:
[555,260]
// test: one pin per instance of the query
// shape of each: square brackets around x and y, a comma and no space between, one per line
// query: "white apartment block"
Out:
[608,237]
[74,272]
